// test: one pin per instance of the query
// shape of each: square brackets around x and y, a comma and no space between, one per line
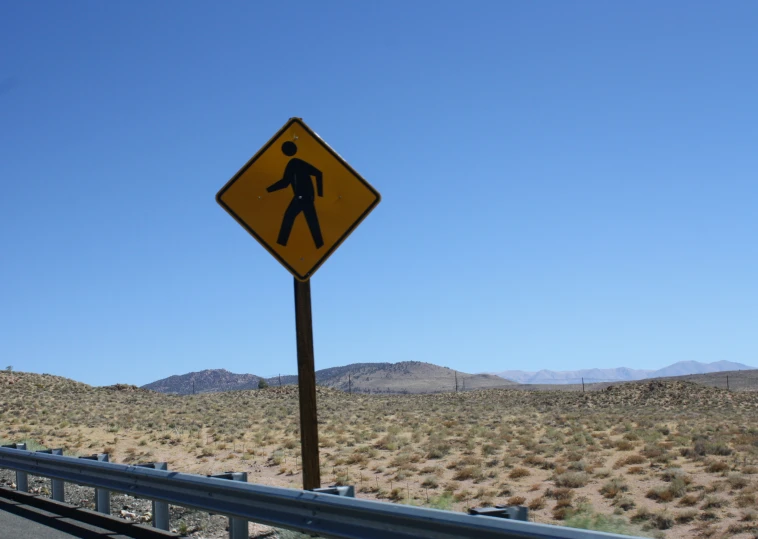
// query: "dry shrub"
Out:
[437,450]
[670,474]
[743,500]
[357,458]
[430,482]
[538,461]
[537,503]
[652,451]
[613,488]
[602,473]
[685,516]
[712,502]
[518,473]
[663,520]
[623,445]
[396,494]
[689,500]
[489,449]
[468,472]
[624,502]
[641,515]
[702,446]
[572,479]
[737,481]
[716,466]
[660,494]
[516,500]
[631,459]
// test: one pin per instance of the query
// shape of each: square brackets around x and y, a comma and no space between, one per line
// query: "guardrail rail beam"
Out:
[304,511]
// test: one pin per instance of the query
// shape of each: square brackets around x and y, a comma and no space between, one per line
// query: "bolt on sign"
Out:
[298,198]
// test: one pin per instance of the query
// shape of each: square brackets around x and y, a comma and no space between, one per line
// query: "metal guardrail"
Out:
[321,513]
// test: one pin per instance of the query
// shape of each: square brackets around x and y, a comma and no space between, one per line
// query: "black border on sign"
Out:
[317,265]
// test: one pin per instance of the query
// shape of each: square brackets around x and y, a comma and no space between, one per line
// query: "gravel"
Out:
[187,522]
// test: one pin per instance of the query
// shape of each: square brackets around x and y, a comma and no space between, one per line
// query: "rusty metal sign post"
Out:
[300,200]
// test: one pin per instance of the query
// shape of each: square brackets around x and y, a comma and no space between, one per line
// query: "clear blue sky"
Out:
[565,184]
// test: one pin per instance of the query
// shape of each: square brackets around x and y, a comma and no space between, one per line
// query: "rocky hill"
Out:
[207,381]
[403,377]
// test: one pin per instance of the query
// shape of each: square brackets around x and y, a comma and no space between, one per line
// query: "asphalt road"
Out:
[19,521]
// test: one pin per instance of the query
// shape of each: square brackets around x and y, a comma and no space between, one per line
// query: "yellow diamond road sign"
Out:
[298,198]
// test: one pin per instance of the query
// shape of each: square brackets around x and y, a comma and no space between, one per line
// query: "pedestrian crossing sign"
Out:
[298,198]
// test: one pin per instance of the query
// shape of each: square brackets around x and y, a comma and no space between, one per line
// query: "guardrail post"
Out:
[102,496]
[160,509]
[347,490]
[513,512]
[237,526]
[56,485]
[22,478]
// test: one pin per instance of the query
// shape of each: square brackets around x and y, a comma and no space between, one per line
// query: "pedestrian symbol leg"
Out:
[293,210]
[312,219]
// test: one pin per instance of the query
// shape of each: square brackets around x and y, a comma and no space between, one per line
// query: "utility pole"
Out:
[280,380]
[349,384]
[193,387]
[582,384]
[456,381]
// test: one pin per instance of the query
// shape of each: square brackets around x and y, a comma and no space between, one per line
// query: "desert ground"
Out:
[656,458]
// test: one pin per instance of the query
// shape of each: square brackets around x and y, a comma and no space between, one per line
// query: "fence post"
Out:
[102,496]
[56,485]
[727,383]
[237,526]
[22,478]
[160,509]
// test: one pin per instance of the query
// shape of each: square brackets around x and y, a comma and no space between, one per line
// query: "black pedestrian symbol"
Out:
[298,174]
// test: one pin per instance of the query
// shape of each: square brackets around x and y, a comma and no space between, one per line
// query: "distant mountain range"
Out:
[403,377]
[621,374]
[419,377]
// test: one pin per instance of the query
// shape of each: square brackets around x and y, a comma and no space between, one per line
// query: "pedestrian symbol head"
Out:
[289,148]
